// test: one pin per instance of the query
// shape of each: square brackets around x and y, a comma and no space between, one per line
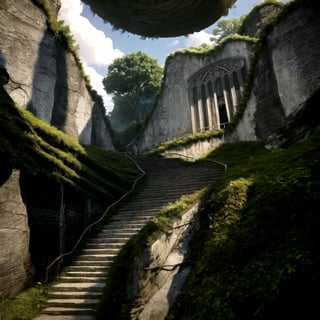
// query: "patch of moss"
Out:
[258,257]
[26,305]
[188,139]
[32,145]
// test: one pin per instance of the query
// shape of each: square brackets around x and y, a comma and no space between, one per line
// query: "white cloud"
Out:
[96,82]
[197,38]
[173,43]
[96,49]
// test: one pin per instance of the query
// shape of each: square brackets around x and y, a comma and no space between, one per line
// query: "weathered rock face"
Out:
[161,18]
[257,18]
[287,76]
[15,266]
[161,270]
[172,115]
[45,78]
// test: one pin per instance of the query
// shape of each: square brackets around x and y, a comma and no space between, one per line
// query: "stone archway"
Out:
[215,92]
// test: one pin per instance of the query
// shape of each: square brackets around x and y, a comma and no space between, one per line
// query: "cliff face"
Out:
[287,77]
[15,266]
[46,80]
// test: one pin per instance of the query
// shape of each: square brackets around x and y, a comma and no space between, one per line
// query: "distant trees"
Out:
[134,81]
[225,28]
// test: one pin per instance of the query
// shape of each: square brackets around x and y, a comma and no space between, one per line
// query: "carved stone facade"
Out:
[198,93]
[214,94]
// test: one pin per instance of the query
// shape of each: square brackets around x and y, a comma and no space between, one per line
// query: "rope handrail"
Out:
[97,221]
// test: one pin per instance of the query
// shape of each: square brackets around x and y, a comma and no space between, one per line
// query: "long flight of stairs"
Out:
[79,289]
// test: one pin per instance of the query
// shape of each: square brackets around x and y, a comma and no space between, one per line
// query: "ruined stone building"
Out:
[202,90]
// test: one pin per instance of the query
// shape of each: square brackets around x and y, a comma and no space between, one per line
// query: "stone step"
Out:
[103,241]
[81,286]
[67,311]
[104,245]
[131,218]
[98,257]
[73,303]
[83,279]
[124,233]
[91,263]
[86,273]
[87,268]
[74,295]
[101,251]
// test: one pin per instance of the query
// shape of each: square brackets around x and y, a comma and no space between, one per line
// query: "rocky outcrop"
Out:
[161,270]
[160,18]
[15,266]
[44,77]
[286,77]
[258,17]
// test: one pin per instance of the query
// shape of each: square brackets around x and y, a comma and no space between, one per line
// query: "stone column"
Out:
[241,80]
[208,106]
[225,95]
[193,111]
[200,109]
[216,109]
[233,93]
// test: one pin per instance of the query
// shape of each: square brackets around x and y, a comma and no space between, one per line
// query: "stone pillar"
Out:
[200,109]
[216,108]
[208,106]
[241,80]
[225,94]
[193,111]
[233,93]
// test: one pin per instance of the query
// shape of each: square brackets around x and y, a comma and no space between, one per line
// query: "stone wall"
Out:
[287,76]
[46,80]
[193,150]
[15,266]
[172,114]
[44,77]
[159,272]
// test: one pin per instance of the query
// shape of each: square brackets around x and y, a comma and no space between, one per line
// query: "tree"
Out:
[134,81]
[226,28]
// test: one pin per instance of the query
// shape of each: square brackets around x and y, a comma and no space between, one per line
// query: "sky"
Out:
[99,44]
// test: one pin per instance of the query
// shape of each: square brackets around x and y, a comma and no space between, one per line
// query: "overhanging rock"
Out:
[160,18]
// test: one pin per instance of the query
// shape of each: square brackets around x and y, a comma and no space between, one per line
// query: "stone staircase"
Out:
[78,291]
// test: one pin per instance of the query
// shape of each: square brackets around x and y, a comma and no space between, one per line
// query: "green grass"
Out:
[32,145]
[26,305]
[257,254]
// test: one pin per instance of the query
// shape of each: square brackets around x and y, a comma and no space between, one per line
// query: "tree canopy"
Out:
[226,27]
[134,81]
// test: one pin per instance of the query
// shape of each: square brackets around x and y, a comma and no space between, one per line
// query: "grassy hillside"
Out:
[34,146]
[257,253]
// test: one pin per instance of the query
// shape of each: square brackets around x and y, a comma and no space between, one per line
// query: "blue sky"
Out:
[100,45]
